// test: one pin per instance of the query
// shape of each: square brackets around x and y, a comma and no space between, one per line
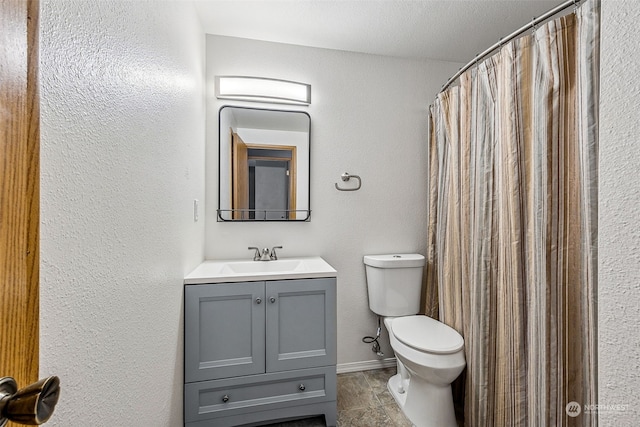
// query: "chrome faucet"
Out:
[265,254]
[274,255]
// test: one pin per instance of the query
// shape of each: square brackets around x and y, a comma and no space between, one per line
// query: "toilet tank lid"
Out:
[394,260]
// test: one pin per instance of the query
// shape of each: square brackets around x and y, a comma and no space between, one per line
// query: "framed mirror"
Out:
[263,165]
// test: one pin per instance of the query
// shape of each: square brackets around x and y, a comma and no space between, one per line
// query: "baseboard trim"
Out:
[365,365]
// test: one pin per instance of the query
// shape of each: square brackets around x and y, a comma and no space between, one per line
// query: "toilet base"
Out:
[424,404]
[394,385]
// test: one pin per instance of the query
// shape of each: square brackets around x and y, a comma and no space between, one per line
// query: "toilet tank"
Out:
[394,283]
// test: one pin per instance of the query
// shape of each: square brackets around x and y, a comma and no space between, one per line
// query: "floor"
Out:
[363,401]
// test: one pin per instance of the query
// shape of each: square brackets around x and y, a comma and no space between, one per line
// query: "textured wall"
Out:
[368,117]
[619,213]
[122,161]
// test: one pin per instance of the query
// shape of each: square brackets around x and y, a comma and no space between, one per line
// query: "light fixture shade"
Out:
[260,89]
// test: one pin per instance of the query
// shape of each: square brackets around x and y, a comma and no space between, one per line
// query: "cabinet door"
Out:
[224,330]
[301,324]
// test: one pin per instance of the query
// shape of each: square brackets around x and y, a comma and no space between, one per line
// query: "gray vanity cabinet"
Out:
[260,351]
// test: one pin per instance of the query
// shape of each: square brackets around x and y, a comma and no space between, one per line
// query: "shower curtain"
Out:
[512,235]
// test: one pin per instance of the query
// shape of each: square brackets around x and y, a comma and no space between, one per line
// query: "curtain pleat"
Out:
[512,224]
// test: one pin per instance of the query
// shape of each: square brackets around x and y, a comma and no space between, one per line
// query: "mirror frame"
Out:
[220,210]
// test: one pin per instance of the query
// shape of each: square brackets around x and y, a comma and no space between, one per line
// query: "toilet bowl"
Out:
[430,354]
[430,357]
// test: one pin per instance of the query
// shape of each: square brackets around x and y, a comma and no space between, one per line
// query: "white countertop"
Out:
[225,271]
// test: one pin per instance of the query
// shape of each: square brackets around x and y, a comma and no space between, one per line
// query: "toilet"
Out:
[430,354]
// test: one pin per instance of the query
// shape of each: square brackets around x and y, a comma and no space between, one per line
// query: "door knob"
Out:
[32,405]
[272,299]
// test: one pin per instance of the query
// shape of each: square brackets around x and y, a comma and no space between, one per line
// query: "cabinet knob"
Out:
[301,387]
[258,300]
[225,398]
[272,299]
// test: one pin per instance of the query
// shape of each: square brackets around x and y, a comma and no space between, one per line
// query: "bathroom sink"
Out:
[242,270]
[279,266]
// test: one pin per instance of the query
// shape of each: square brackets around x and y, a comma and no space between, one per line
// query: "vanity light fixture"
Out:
[262,89]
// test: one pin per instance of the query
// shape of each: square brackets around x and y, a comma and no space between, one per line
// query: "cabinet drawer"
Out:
[206,399]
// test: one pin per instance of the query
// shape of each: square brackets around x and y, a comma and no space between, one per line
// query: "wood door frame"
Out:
[239,177]
[19,190]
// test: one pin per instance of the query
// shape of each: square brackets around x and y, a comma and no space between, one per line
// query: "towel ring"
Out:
[346,177]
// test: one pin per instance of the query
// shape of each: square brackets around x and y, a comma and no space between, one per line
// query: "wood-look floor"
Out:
[363,401]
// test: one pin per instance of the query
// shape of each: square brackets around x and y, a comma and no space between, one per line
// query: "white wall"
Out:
[368,117]
[619,216]
[122,160]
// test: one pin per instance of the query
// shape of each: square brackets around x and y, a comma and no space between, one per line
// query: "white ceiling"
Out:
[448,30]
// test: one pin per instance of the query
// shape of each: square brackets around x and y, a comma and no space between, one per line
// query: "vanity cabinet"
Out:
[260,351]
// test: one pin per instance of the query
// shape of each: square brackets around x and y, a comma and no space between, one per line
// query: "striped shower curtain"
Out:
[512,234]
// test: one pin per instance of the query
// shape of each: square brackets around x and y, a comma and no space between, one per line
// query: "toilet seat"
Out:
[425,334]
